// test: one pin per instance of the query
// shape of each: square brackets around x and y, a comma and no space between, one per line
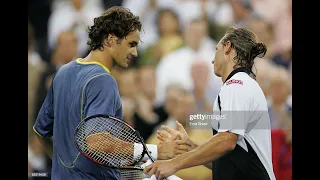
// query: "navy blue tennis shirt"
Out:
[79,89]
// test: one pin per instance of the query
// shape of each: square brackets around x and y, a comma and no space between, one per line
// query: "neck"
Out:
[229,68]
[101,57]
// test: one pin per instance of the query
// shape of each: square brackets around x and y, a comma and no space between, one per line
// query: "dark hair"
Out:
[116,20]
[246,46]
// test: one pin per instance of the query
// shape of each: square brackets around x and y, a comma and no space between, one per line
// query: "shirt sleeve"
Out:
[101,97]
[44,122]
[235,109]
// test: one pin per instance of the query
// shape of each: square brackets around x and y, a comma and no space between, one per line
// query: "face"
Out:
[219,59]
[168,23]
[279,90]
[122,52]
[194,34]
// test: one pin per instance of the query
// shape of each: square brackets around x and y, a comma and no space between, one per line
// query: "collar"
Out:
[93,62]
[242,69]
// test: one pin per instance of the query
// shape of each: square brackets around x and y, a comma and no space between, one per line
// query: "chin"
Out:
[217,74]
[124,65]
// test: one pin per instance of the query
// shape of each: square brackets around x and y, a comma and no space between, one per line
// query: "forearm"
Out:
[211,150]
[208,165]
[105,142]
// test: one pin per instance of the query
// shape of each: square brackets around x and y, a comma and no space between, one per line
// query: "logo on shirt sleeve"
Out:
[234,81]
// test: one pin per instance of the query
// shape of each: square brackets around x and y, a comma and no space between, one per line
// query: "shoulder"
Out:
[240,83]
[103,80]
[237,84]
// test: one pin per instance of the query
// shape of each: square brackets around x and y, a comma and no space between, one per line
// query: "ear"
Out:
[227,48]
[110,40]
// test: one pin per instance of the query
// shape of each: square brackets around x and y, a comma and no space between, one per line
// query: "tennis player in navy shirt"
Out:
[85,87]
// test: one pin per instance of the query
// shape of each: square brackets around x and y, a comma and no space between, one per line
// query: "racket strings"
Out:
[110,142]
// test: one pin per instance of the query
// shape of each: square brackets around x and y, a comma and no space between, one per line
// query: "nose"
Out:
[212,61]
[135,52]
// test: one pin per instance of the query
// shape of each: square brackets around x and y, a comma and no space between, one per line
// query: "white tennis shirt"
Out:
[244,112]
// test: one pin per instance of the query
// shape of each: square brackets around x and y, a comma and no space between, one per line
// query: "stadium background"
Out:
[173,76]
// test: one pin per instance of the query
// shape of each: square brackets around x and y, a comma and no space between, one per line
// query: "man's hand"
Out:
[170,134]
[161,169]
[171,149]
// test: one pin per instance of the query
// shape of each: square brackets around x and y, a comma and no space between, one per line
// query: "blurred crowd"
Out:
[172,77]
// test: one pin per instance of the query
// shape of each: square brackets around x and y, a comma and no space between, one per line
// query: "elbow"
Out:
[230,141]
[230,145]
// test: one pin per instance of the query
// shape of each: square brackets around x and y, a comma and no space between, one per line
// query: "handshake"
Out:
[173,142]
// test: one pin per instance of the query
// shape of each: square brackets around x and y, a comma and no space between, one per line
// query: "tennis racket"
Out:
[111,143]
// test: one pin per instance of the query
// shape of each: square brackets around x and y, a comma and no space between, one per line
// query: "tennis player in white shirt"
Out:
[240,147]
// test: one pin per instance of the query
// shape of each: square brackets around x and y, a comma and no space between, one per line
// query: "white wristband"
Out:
[153,151]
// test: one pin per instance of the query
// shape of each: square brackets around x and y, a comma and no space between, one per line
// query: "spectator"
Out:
[279,93]
[203,96]
[242,11]
[66,49]
[159,114]
[147,116]
[264,69]
[170,38]
[265,32]
[282,152]
[278,13]
[176,66]
[72,15]
[39,12]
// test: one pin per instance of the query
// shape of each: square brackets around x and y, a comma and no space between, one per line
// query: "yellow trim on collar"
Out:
[93,62]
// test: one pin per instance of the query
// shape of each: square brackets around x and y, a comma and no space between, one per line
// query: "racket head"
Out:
[109,142]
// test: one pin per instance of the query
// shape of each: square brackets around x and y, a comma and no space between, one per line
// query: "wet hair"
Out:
[244,42]
[116,20]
